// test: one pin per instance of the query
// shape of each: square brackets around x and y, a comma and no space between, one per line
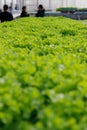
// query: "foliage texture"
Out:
[43,74]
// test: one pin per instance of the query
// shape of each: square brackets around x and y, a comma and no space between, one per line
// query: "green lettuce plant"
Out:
[43,74]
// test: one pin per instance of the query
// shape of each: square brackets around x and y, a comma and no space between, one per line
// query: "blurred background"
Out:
[48,4]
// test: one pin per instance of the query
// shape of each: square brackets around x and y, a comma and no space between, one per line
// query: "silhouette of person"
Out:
[24,12]
[5,15]
[16,7]
[41,11]
[0,11]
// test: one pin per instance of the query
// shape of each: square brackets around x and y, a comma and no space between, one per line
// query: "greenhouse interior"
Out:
[43,65]
[48,4]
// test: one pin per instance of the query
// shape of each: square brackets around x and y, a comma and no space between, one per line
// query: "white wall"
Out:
[53,4]
[31,4]
[49,4]
[45,3]
[81,3]
[56,4]
[0,4]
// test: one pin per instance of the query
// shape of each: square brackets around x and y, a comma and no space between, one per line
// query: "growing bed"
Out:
[43,74]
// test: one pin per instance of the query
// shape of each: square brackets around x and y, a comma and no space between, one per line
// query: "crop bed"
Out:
[43,74]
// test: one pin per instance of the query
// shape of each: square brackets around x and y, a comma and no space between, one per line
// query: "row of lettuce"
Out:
[43,74]
[71,9]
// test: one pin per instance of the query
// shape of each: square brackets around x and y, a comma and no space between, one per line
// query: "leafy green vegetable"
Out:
[43,74]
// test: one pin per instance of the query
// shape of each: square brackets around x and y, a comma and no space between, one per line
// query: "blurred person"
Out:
[0,11]
[6,15]
[41,11]
[10,8]
[16,7]
[24,12]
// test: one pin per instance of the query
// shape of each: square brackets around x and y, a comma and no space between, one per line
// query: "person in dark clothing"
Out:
[16,7]
[0,11]
[41,11]
[24,12]
[5,15]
